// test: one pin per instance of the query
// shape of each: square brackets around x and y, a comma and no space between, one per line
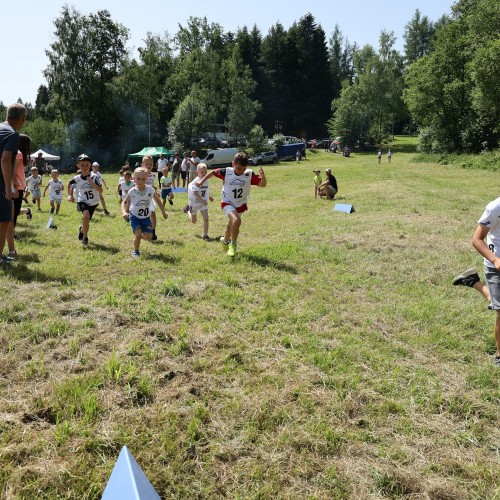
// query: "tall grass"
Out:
[331,358]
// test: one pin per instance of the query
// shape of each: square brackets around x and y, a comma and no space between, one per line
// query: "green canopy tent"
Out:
[154,151]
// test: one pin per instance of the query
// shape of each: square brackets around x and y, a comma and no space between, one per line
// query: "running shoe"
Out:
[232,250]
[80,234]
[136,253]
[225,244]
[29,215]
[85,241]
[467,278]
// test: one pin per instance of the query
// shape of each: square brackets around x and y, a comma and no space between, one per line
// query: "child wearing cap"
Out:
[87,191]
[317,181]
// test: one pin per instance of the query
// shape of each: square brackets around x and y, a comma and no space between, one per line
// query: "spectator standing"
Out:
[9,146]
[193,165]
[379,156]
[160,165]
[389,156]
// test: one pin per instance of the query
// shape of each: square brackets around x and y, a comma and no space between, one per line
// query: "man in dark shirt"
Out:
[329,187]
[9,145]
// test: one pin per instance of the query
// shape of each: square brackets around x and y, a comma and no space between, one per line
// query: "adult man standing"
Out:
[41,164]
[9,145]
[193,165]
[160,165]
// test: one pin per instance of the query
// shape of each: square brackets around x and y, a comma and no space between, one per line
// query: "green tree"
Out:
[418,36]
[84,59]
[47,134]
[450,92]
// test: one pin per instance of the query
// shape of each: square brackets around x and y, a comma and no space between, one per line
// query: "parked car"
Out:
[209,142]
[263,158]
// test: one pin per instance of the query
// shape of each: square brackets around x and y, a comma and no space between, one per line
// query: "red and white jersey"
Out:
[236,188]
[140,201]
[126,187]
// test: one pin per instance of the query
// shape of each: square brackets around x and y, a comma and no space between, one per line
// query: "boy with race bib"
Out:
[34,182]
[56,188]
[87,190]
[136,208]
[198,197]
[238,180]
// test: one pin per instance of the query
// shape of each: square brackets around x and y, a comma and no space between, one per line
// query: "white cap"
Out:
[95,164]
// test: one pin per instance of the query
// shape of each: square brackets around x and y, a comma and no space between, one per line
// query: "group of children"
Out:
[140,201]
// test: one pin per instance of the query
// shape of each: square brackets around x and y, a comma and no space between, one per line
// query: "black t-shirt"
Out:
[9,141]
[333,182]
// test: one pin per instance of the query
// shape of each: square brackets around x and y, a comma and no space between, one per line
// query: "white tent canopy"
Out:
[45,156]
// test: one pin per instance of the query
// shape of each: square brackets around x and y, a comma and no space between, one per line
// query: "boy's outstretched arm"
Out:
[262,175]
[205,178]
[480,245]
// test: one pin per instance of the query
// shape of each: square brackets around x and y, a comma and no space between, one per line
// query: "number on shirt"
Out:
[143,212]
[89,195]
[237,193]
[203,193]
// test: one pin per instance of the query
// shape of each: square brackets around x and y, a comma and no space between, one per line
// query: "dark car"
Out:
[262,158]
[209,142]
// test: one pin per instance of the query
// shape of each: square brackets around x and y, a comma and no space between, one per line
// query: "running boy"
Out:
[87,190]
[147,163]
[136,208]
[166,187]
[489,228]
[198,197]
[102,182]
[34,182]
[125,185]
[56,187]
[237,182]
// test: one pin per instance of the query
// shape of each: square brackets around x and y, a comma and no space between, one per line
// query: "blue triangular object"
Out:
[342,207]
[179,190]
[128,482]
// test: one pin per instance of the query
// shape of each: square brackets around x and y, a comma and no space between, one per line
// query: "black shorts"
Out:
[5,209]
[18,202]
[183,174]
[90,208]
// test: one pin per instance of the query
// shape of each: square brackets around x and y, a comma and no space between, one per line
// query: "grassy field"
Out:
[331,358]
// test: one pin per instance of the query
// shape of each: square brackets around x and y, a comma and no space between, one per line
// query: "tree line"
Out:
[295,82]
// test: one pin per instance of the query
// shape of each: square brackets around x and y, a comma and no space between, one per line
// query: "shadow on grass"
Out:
[167,259]
[104,248]
[22,272]
[265,262]
[172,243]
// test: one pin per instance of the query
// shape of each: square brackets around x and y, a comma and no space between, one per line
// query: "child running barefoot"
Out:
[136,208]
[238,180]
[87,191]
[34,182]
[166,187]
[56,187]
[198,197]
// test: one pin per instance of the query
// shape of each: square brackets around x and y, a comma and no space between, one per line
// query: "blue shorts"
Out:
[165,192]
[143,224]
[5,208]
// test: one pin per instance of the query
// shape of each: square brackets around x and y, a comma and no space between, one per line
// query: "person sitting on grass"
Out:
[136,208]
[488,228]
[328,189]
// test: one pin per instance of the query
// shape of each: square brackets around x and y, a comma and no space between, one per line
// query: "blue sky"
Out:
[27,28]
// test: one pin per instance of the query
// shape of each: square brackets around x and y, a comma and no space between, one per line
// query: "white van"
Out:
[220,157]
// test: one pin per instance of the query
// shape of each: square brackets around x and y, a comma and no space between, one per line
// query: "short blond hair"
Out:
[141,170]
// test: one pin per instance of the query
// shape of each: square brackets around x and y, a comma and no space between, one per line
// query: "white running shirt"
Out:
[491,220]
[140,201]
